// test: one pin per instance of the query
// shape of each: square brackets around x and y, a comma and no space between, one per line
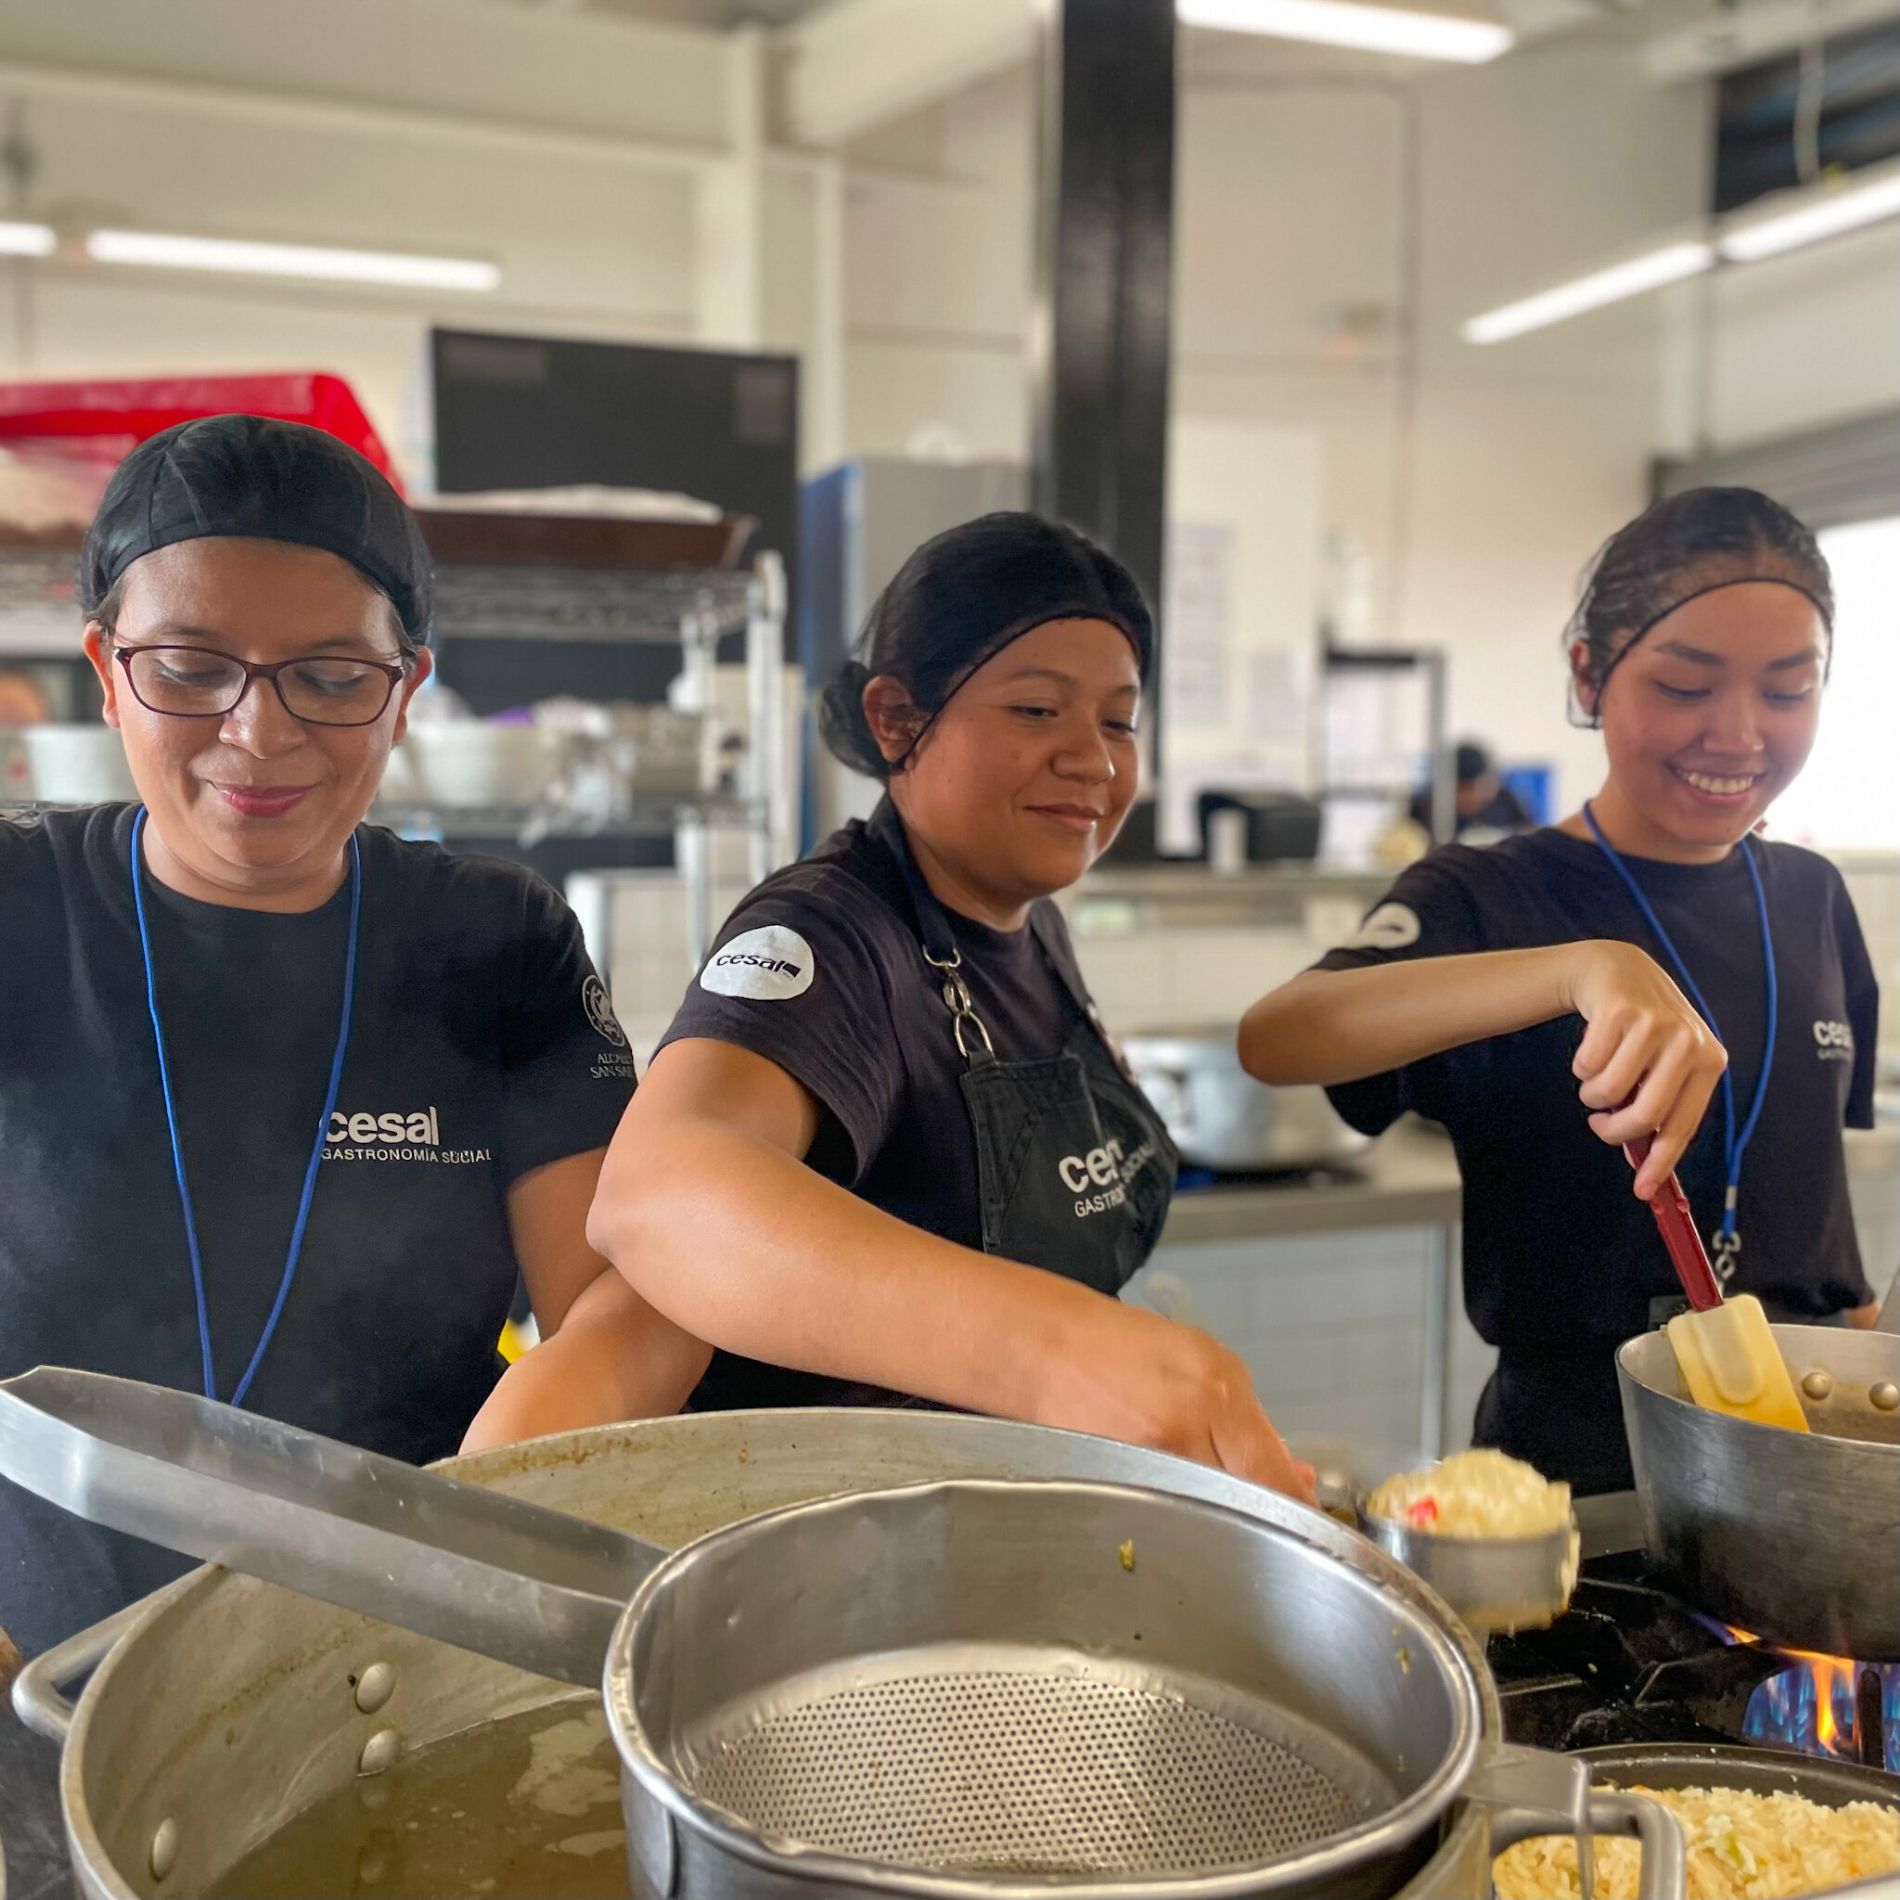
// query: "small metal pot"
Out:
[1221,1118]
[1496,1584]
[1789,1535]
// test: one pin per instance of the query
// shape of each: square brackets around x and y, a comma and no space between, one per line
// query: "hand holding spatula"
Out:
[1724,1348]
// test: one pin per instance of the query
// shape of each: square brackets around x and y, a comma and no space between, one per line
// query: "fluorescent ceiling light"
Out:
[1368,28]
[172,252]
[1818,212]
[1651,271]
[27,240]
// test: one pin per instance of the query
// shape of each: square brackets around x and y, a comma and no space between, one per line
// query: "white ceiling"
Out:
[714,15]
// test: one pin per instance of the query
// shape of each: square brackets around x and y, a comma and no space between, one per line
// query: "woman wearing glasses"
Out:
[286,1103]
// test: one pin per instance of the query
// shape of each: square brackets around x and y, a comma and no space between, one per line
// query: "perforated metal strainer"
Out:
[1052,1684]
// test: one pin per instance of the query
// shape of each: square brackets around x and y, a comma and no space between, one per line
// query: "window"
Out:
[1849,796]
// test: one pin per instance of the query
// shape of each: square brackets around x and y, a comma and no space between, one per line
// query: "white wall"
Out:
[1297,191]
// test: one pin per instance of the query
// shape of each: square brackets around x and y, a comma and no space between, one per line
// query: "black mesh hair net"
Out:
[263,480]
[958,601]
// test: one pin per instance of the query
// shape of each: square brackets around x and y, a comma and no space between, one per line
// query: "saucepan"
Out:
[853,1695]
[1789,1535]
[1219,1117]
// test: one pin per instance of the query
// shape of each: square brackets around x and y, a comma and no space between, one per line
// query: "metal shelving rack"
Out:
[1427,663]
[695,609]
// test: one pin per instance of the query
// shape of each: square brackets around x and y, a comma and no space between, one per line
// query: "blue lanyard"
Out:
[1734,1142]
[178,1153]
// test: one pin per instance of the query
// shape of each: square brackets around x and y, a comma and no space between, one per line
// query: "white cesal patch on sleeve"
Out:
[1390,927]
[767,965]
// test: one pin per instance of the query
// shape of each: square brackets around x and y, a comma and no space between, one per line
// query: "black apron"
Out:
[1075,1169]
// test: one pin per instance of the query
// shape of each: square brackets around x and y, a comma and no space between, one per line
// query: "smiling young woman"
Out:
[886,1151]
[287,1104]
[1554,996]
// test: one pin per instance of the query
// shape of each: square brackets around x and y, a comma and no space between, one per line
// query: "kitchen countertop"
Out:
[1407,1178]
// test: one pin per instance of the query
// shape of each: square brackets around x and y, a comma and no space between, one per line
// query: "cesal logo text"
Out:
[398,1135]
[777,965]
[769,965]
[1834,1042]
[1109,1168]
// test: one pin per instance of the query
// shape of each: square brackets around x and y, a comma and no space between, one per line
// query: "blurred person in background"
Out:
[1482,802]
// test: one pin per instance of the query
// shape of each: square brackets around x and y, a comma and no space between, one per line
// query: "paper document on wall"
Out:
[1198,631]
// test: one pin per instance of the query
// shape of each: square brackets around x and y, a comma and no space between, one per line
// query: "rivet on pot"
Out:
[164,1848]
[379,1752]
[1885,1396]
[375,1686]
[1818,1384]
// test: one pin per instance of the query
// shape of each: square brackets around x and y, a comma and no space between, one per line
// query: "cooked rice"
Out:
[1741,1847]
[1480,1493]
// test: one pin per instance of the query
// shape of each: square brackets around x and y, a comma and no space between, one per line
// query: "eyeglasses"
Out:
[322,689]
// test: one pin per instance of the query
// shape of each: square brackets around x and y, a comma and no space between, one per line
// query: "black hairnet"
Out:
[262,480]
[958,601]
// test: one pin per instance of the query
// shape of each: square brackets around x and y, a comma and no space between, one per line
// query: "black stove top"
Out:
[1629,1662]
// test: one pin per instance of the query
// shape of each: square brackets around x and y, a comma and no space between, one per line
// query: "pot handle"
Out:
[496,1574]
[1533,1791]
[39,1697]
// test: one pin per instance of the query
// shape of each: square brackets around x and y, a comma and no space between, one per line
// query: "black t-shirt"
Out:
[1555,1243]
[820,971]
[480,1048]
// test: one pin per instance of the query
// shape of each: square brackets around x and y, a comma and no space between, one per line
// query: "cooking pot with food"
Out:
[1321,1724]
[1789,1535]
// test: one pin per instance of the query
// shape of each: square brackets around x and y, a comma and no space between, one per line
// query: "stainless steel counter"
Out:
[1407,1178]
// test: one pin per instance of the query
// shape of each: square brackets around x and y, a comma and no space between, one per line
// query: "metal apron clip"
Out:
[961,1005]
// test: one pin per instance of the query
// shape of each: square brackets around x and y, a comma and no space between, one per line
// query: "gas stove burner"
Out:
[1629,1662]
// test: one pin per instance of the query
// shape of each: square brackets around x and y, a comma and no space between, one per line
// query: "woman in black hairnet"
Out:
[285,1102]
[886,1147]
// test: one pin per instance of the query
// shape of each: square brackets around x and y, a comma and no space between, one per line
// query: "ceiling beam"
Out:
[1762,30]
[857,64]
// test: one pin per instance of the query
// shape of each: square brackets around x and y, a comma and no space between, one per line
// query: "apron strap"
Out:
[940,951]
[935,939]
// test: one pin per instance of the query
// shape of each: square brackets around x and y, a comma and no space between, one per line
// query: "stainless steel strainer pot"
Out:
[965,1688]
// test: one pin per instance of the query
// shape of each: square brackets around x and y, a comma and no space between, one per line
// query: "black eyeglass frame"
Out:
[394,672]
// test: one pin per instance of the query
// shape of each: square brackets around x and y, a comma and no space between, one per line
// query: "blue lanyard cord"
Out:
[178,1154]
[1735,1142]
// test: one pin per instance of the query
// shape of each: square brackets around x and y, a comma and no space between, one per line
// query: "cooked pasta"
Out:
[1741,1847]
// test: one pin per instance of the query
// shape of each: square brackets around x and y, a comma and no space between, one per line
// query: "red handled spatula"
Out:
[1724,1348]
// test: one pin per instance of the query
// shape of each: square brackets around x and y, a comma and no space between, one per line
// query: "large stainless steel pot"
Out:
[1221,1118]
[1788,1534]
[223,1706]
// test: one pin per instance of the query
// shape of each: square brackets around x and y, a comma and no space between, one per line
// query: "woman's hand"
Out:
[1648,1062]
[1130,1374]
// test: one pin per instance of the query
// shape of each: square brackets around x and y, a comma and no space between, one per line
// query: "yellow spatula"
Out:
[1724,1349]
